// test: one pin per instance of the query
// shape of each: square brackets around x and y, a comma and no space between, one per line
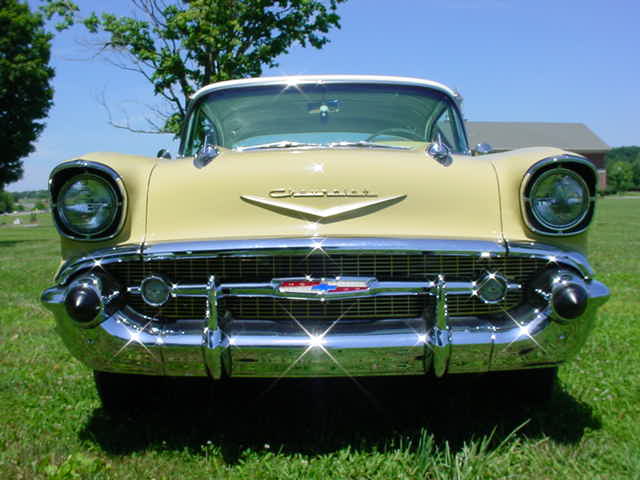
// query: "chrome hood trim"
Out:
[318,213]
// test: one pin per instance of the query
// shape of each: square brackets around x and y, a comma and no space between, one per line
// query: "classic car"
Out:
[320,226]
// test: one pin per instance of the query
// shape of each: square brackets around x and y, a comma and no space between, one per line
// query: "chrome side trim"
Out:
[558,161]
[117,181]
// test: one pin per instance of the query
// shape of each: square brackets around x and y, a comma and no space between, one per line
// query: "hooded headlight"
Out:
[559,200]
[88,200]
[87,204]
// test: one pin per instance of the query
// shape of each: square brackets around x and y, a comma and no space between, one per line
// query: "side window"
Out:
[201,132]
[446,127]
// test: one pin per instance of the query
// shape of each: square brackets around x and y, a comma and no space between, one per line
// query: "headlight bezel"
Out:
[581,170]
[68,172]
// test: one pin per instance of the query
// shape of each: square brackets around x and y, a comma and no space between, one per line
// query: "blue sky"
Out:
[512,60]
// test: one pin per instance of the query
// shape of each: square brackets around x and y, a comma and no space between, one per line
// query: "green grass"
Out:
[51,424]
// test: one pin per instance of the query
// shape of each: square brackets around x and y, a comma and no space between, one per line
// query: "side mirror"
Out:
[205,156]
[164,153]
[482,149]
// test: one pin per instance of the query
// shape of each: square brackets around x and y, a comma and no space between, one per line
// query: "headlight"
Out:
[558,195]
[87,204]
[88,200]
[559,199]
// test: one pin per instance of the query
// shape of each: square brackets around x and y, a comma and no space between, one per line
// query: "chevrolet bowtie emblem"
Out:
[322,286]
[312,213]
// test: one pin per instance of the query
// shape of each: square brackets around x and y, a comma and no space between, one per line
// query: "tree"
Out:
[6,202]
[635,168]
[629,156]
[620,176]
[25,85]
[181,45]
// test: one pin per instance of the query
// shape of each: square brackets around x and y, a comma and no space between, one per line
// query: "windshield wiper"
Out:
[276,145]
[365,144]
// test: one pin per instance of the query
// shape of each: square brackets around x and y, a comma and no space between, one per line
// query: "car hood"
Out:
[323,192]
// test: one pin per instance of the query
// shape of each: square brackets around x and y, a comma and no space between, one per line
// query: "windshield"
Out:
[330,115]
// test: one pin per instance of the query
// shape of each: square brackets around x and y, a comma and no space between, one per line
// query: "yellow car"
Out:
[324,226]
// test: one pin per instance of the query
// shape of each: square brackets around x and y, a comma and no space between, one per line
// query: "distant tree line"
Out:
[623,169]
[13,202]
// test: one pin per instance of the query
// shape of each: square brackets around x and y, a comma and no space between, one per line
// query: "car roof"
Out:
[297,79]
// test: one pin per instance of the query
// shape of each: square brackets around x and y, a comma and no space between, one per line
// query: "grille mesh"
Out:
[382,267]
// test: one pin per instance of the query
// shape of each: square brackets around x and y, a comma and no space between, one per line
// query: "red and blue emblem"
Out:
[323,286]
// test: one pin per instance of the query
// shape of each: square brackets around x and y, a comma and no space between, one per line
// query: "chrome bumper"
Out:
[119,340]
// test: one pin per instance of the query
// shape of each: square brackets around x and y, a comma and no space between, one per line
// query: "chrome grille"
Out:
[371,308]
[383,267]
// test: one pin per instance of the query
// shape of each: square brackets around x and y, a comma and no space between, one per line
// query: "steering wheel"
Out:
[405,133]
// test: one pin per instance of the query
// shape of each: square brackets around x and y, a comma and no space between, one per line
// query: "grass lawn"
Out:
[51,424]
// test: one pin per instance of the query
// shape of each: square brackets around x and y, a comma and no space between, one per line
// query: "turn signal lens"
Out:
[155,291]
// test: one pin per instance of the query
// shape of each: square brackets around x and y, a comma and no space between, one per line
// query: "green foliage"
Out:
[623,169]
[626,154]
[31,194]
[7,204]
[25,90]
[620,176]
[40,205]
[182,45]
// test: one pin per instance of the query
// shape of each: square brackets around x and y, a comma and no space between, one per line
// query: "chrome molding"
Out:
[288,246]
[95,260]
[321,213]
[553,254]
[558,161]
[440,338]
[87,167]
[270,290]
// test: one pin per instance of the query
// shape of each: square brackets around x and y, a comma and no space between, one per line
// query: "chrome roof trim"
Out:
[302,79]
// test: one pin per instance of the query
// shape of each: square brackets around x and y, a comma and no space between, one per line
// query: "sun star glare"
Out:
[316,341]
